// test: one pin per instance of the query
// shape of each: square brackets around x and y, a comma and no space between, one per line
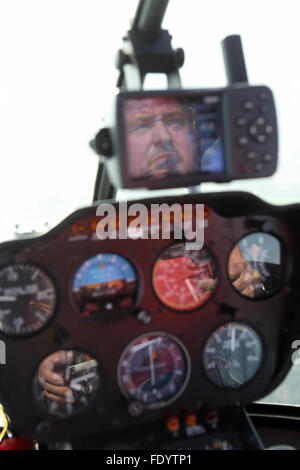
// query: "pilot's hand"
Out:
[241,273]
[53,383]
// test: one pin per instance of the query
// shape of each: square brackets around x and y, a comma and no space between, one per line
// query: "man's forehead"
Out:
[151,105]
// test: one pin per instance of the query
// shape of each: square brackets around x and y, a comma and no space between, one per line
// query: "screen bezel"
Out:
[172,181]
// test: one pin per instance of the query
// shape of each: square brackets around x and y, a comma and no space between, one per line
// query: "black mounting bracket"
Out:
[147,49]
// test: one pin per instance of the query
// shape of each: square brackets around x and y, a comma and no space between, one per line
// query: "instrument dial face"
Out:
[256,265]
[154,370]
[232,355]
[27,299]
[184,279]
[66,383]
[105,282]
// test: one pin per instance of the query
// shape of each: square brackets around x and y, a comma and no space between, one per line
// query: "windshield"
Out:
[58,81]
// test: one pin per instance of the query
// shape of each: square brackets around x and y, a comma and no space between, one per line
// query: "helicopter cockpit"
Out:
[159,322]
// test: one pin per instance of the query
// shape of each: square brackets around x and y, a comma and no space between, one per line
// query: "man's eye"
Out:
[140,127]
[175,123]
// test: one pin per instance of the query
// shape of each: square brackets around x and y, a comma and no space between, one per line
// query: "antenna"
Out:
[234,60]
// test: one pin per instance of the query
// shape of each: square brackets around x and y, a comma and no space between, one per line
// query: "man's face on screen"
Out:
[160,141]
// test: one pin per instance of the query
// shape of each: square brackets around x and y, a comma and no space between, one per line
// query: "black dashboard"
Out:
[142,330]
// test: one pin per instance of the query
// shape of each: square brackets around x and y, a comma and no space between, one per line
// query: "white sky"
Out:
[58,78]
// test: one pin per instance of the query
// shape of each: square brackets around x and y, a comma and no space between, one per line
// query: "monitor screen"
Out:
[169,135]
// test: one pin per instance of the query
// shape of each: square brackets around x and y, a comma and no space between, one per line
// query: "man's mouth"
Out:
[164,161]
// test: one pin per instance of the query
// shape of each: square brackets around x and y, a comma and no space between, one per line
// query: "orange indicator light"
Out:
[191,419]
[78,227]
[173,423]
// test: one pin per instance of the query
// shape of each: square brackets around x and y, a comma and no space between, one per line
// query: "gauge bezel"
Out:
[41,409]
[283,276]
[263,360]
[214,290]
[45,325]
[108,313]
[162,403]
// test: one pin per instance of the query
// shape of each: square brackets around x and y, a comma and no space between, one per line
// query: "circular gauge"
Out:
[104,283]
[154,370]
[27,299]
[66,383]
[256,265]
[232,355]
[184,279]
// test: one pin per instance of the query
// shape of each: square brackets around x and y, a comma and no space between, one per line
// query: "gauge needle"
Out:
[235,379]
[232,339]
[217,366]
[8,298]
[150,350]
[191,289]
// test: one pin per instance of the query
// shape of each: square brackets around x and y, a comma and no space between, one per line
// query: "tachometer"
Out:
[232,355]
[105,282]
[154,370]
[27,299]
[184,279]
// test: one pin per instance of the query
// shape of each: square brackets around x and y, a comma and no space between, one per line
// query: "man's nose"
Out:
[160,132]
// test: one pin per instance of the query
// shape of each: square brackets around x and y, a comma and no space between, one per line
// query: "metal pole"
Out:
[148,18]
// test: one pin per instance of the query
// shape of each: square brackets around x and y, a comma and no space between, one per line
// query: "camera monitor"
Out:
[168,139]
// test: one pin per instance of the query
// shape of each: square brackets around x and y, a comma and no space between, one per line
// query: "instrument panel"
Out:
[103,335]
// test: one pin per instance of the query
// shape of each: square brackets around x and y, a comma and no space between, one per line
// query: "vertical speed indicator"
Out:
[27,299]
